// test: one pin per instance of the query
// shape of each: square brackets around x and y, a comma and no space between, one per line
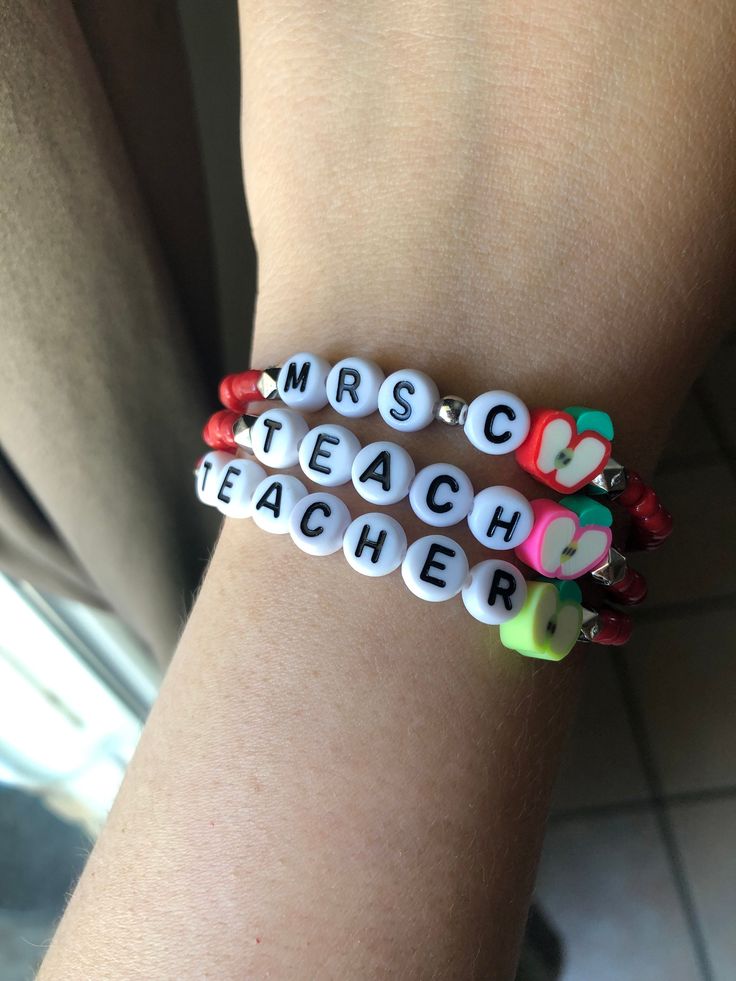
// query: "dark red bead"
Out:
[218,430]
[240,389]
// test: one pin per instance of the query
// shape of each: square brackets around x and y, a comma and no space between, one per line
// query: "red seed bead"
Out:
[651,523]
[632,589]
[218,430]
[615,628]
[239,389]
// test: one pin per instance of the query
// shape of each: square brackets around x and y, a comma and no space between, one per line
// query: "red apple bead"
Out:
[557,455]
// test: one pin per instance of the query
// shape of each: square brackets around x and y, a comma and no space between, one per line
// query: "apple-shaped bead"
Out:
[546,627]
[501,517]
[557,455]
[302,382]
[327,453]
[495,592]
[273,501]
[441,495]
[559,546]
[236,484]
[318,523]
[497,422]
[374,544]
[353,385]
[207,477]
[407,400]
[435,568]
[382,472]
[275,437]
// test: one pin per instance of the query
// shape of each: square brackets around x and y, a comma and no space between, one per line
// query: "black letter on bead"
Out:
[510,525]
[226,482]
[379,470]
[206,467]
[503,585]
[498,410]
[348,386]
[435,549]
[364,542]
[275,504]
[326,510]
[318,451]
[294,380]
[432,491]
[399,387]
[272,425]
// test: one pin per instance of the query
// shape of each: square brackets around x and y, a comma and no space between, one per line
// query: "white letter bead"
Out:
[273,501]
[374,544]
[302,380]
[326,454]
[235,488]
[441,495]
[501,518]
[497,422]
[383,472]
[495,592]
[352,387]
[407,400]
[435,568]
[208,475]
[318,523]
[275,437]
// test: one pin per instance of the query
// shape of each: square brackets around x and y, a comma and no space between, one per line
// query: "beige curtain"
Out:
[110,340]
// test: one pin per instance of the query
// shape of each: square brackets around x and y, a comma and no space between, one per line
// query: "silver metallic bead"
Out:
[452,410]
[611,480]
[267,383]
[590,627]
[241,432]
[611,571]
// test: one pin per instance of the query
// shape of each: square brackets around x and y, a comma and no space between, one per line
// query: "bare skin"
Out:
[338,780]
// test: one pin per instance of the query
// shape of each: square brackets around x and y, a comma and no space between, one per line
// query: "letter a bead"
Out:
[382,473]
[302,380]
[273,501]
[495,592]
[407,400]
[318,523]
[236,484]
[374,544]
[435,568]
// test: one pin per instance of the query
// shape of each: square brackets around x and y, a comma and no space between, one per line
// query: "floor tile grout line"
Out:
[707,796]
[661,814]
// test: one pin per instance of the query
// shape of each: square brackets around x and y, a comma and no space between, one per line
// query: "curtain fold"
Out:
[103,387]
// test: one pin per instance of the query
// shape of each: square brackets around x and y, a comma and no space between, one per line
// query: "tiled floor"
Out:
[638,874]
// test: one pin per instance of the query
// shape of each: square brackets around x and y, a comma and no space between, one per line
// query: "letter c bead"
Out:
[497,423]
[441,495]
[374,544]
[435,568]
[407,399]
[318,523]
[273,501]
[495,592]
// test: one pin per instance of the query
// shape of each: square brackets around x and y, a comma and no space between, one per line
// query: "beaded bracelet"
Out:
[538,619]
[563,541]
[563,449]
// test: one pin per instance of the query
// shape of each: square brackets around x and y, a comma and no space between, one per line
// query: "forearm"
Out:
[338,780]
